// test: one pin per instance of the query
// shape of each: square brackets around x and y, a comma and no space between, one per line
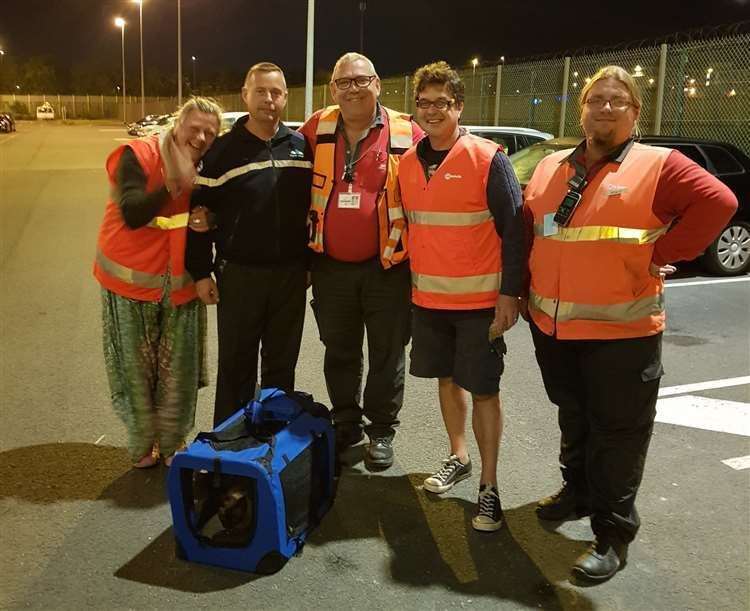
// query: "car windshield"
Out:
[525,161]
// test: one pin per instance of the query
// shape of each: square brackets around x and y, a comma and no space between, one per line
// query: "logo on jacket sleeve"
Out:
[449,176]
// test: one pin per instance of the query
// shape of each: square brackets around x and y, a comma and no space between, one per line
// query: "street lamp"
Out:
[195,82]
[179,54]
[474,64]
[140,27]
[120,23]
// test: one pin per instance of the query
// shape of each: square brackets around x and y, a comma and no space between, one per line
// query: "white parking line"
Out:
[8,138]
[98,441]
[704,413]
[739,463]
[698,386]
[111,129]
[123,139]
[699,282]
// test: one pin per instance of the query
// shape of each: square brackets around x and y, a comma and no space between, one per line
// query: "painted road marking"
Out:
[698,386]
[8,138]
[698,282]
[123,139]
[739,463]
[704,413]
[98,441]
[111,129]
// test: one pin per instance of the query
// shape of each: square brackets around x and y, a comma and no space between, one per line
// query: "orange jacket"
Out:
[134,262]
[454,249]
[591,280]
[391,223]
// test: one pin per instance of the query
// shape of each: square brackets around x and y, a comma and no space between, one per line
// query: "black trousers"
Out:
[606,392]
[349,299]
[262,306]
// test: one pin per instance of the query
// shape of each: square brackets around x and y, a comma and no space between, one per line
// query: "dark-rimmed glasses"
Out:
[439,104]
[615,103]
[360,81]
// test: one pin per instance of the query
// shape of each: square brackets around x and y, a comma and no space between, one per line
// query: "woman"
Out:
[154,325]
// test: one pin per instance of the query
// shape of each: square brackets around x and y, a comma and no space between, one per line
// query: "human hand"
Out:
[661,271]
[201,219]
[207,291]
[506,315]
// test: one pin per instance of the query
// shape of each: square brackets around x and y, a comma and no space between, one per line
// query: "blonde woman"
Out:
[154,325]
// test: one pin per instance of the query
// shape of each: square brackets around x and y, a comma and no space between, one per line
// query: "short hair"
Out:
[201,104]
[349,57]
[619,74]
[439,73]
[265,67]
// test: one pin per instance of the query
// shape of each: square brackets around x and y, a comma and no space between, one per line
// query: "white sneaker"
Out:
[452,472]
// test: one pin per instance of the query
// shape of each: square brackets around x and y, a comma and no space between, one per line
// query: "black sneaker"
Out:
[452,472]
[489,516]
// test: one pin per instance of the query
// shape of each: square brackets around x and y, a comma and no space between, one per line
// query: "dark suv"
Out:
[729,254]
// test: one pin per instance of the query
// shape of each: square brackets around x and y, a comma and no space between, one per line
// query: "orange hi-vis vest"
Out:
[134,262]
[454,250]
[591,280]
[391,223]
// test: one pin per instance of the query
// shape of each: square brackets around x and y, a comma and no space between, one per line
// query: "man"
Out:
[256,182]
[464,206]
[600,218]
[360,280]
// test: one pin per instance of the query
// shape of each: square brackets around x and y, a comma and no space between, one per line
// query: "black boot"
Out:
[379,453]
[565,504]
[602,560]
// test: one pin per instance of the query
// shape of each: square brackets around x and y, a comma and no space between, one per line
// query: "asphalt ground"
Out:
[80,529]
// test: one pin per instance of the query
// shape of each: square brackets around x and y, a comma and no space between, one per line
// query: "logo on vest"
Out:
[449,176]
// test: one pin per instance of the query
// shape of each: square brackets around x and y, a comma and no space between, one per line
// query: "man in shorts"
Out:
[463,204]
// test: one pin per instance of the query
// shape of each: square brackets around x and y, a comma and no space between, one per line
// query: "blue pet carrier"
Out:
[247,495]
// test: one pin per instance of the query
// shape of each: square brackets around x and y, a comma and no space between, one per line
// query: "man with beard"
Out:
[607,219]
[359,275]
[256,184]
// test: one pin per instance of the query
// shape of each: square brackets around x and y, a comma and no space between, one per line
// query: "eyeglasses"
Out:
[360,81]
[614,103]
[439,104]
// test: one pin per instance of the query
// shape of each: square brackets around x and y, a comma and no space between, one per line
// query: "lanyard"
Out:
[576,186]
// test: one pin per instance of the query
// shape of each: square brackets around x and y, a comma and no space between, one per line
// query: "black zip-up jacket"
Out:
[260,193]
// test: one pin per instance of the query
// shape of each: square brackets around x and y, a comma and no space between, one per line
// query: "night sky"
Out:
[399,36]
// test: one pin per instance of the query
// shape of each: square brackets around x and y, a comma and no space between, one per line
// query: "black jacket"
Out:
[260,194]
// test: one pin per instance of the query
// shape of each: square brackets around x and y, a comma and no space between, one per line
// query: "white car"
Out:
[512,138]
[45,111]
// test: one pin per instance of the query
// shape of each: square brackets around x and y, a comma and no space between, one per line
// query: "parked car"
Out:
[512,138]
[7,122]
[162,123]
[45,111]
[729,254]
[147,120]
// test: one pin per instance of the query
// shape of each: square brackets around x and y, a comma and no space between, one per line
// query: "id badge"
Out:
[550,227]
[349,200]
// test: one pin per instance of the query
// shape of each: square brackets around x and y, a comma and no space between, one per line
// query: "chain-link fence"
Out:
[697,89]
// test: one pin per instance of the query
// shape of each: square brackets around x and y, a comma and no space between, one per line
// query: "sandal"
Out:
[148,461]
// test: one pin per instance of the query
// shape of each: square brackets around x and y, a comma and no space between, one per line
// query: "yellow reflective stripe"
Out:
[595,233]
[400,129]
[393,239]
[251,167]
[627,311]
[328,121]
[454,219]
[318,201]
[453,285]
[126,274]
[176,221]
[395,213]
[180,282]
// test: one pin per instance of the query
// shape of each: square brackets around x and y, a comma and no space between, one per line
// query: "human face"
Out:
[610,123]
[196,133]
[265,96]
[355,102]
[441,126]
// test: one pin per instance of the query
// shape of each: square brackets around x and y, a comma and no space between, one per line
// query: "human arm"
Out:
[136,206]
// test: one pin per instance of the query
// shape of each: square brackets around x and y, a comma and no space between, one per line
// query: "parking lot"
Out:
[81,529]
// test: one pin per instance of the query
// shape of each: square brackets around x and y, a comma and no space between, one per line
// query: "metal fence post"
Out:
[564,98]
[28,102]
[661,78]
[499,81]
[406,93]
[73,102]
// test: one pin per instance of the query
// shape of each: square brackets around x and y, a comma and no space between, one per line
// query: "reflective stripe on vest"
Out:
[166,223]
[448,219]
[628,311]
[138,278]
[594,233]
[391,220]
[451,285]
